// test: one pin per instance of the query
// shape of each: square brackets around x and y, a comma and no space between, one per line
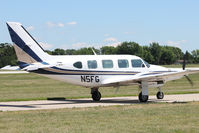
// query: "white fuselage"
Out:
[95,69]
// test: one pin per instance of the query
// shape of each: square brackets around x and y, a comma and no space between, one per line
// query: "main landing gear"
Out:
[96,95]
[143,96]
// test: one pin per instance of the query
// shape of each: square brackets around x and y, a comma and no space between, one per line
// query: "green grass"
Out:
[17,87]
[137,118]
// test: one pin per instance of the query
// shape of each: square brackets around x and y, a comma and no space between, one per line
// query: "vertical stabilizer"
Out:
[26,47]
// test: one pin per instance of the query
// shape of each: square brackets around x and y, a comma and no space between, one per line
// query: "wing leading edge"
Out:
[152,76]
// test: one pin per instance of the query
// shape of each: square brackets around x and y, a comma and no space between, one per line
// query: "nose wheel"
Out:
[160,95]
[96,95]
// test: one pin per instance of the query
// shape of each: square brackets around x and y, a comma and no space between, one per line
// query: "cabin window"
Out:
[123,63]
[78,64]
[92,64]
[107,63]
[137,63]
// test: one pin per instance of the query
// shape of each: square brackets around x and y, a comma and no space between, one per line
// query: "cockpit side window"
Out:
[92,64]
[107,63]
[137,63]
[147,64]
[78,64]
[123,63]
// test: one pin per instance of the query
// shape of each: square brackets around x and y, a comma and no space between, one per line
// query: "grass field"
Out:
[139,118]
[34,87]
[180,65]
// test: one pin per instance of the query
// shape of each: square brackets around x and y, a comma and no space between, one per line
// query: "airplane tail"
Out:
[27,49]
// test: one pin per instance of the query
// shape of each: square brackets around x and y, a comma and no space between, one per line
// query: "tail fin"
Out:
[26,47]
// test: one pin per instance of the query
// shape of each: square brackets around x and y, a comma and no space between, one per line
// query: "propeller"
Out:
[183,68]
[184,61]
[117,89]
[190,81]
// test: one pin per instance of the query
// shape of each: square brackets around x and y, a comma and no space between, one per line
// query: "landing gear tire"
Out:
[143,98]
[96,96]
[160,95]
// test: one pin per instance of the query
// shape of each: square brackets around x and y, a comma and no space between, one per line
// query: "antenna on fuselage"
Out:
[93,51]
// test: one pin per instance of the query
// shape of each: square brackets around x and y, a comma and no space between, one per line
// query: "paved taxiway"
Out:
[77,103]
[13,72]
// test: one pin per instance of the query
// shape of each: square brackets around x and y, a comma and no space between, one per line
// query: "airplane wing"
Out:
[173,74]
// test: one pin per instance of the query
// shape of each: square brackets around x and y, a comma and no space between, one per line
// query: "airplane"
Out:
[93,71]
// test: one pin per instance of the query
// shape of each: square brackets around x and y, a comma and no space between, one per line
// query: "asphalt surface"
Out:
[78,103]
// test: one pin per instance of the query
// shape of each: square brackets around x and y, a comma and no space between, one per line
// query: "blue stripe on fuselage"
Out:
[75,72]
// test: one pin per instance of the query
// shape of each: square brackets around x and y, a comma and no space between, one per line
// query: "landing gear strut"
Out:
[96,95]
[160,94]
[143,96]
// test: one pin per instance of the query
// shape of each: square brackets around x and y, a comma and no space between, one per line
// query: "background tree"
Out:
[108,50]
[58,51]
[7,55]
[70,51]
[153,54]
[167,57]
[87,51]
[147,56]
[156,52]
[195,54]
[131,48]
[189,57]
[177,52]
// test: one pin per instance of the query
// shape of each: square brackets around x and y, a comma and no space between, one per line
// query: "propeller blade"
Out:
[190,81]
[184,61]
[117,89]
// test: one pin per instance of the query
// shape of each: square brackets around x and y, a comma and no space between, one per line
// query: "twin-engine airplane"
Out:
[92,71]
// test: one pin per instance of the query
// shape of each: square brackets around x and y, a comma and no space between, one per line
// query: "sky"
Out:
[83,23]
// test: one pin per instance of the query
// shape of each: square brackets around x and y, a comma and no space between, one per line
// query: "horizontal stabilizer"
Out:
[36,66]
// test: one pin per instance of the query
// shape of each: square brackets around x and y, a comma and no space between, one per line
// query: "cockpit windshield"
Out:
[147,64]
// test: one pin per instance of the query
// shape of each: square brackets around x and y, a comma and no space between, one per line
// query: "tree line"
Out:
[154,53]
[7,55]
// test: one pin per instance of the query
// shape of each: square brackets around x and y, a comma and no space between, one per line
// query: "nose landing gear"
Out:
[160,94]
[143,96]
[96,95]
